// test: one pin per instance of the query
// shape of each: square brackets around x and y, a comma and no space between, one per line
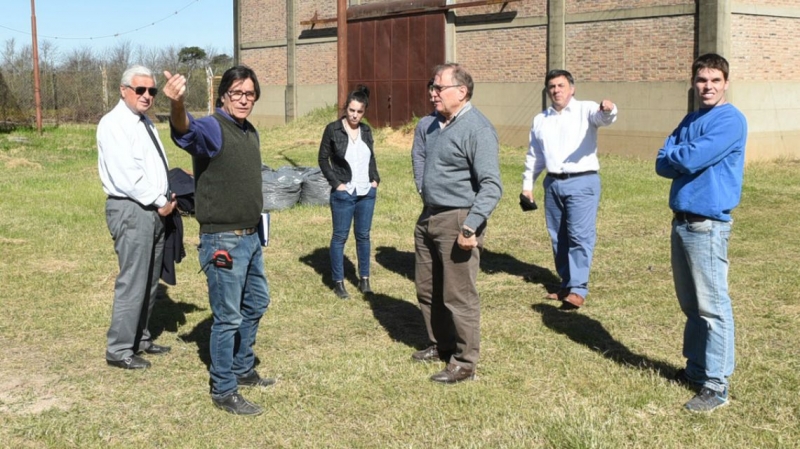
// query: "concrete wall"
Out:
[648,112]
[772,109]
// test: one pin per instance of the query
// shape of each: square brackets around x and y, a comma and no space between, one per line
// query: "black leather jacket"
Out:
[332,149]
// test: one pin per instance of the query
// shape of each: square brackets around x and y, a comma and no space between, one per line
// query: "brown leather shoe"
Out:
[558,295]
[429,354]
[453,374]
[572,301]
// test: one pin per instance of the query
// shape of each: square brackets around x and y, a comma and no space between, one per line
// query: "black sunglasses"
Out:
[140,90]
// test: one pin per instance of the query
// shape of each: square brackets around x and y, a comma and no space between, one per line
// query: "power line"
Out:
[109,35]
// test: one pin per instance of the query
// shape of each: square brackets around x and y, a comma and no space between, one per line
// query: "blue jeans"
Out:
[570,207]
[346,209]
[700,271]
[239,296]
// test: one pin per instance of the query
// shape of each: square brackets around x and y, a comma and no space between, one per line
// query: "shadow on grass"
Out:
[201,335]
[168,315]
[492,262]
[402,320]
[320,261]
[402,263]
[590,333]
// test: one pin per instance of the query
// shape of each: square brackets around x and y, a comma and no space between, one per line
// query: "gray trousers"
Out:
[445,276]
[138,234]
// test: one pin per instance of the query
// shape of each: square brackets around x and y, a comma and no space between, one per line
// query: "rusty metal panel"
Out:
[434,41]
[383,49]
[380,104]
[400,107]
[368,51]
[394,57]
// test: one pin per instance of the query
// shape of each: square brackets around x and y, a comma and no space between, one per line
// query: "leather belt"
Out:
[246,231]
[571,175]
[149,207]
[689,217]
[433,210]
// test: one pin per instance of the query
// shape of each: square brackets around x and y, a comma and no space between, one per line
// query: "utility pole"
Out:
[37,95]
[341,52]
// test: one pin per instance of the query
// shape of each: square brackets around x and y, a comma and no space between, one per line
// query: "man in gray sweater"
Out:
[460,188]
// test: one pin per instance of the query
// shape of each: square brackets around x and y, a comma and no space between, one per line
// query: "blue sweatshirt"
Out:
[704,157]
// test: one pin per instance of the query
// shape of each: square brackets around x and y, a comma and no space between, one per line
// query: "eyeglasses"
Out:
[236,95]
[140,90]
[438,89]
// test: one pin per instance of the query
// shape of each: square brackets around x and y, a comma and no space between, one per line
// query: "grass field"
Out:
[598,378]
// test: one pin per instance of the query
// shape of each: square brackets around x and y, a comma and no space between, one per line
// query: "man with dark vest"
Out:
[226,155]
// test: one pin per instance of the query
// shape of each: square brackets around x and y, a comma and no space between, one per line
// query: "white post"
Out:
[210,83]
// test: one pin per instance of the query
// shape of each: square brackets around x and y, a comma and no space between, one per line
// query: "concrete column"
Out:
[556,35]
[714,33]
[236,31]
[714,27]
[450,35]
[291,73]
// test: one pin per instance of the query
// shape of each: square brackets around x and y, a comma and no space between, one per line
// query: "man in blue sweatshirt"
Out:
[704,157]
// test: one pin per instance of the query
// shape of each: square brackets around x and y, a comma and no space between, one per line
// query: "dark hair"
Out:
[558,73]
[239,72]
[459,75]
[710,61]
[360,94]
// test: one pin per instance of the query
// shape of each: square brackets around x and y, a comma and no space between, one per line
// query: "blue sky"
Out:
[93,24]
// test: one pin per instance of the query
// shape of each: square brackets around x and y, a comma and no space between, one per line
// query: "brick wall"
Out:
[582,6]
[262,20]
[305,9]
[524,8]
[316,64]
[518,55]
[765,48]
[269,64]
[655,50]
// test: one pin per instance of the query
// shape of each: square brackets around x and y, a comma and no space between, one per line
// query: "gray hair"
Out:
[133,71]
[459,75]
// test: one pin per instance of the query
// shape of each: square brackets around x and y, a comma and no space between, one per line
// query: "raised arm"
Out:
[175,90]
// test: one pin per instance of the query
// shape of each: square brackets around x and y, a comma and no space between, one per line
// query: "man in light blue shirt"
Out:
[563,140]
[704,157]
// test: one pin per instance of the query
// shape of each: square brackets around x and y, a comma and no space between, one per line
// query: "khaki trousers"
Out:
[445,278]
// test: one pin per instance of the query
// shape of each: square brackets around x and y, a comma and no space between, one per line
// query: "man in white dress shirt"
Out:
[563,140]
[133,170]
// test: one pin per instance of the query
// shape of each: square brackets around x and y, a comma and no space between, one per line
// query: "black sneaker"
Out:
[254,380]
[234,403]
[707,400]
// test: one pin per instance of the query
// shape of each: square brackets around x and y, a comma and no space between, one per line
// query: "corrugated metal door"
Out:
[394,57]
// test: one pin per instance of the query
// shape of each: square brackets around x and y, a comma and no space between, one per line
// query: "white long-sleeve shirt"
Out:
[565,142]
[127,160]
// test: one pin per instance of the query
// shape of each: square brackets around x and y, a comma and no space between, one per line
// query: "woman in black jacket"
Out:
[347,160]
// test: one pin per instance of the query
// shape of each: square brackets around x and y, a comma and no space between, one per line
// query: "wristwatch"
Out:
[467,233]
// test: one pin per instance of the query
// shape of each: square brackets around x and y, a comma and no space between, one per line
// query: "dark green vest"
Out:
[228,186]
